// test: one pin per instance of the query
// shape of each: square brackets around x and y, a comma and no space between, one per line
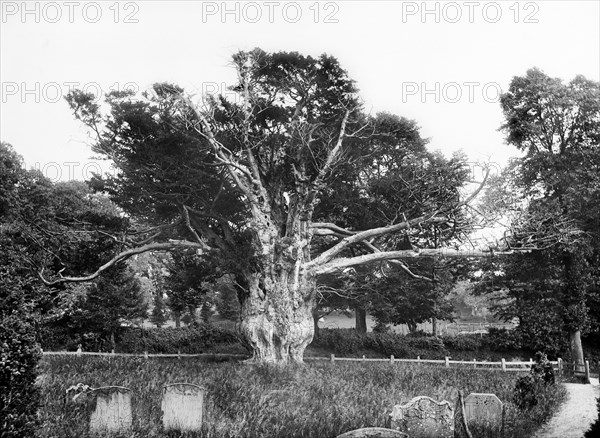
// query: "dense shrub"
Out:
[464,342]
[341,341]
[529,388]
[19,397]
[349,341]
[501,339]
[543,369]
[193,339]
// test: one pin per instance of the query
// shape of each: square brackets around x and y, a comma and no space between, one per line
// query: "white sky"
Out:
[393,52]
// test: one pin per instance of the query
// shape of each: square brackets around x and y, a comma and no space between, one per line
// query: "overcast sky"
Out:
[442,64]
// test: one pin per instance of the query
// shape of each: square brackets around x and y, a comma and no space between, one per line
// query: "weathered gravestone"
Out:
[483,411]
[113,409]
[373,432]
[423,417]
[182,405]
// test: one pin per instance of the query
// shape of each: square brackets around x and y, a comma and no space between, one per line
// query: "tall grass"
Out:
[317,400]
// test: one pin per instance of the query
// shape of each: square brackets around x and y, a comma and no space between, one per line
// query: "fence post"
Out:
[503,365]
[79,350]
[363,358]
[178,354]
[146,354]
[392,359]
[447,362]
[112,351]
[419,360]
[531,362]
[474,363]
[587,371]
[332,359]
[560,366]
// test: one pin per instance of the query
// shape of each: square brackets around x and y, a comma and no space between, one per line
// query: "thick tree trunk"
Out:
[577,351]
[277,305]
[177,318]
[360,317]
[434,326]
[276,319]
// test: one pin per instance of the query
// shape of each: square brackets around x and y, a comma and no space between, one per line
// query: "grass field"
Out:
[318,400]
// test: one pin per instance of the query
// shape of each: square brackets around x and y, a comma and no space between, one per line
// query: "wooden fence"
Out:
[502,365]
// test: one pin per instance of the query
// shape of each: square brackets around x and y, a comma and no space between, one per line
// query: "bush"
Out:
[525,391]
[196,339]
[543,369]
[19,397]
[529,388]
[503,340]
[342,341]
[349,341]
[464,342]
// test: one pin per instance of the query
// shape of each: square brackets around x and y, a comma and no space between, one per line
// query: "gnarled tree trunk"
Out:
[276,309]
[277,320]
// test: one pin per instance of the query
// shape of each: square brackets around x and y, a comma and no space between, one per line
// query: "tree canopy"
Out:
[288,181]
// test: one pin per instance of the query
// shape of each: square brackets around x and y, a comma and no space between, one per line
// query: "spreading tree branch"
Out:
[345,262]
[173,244]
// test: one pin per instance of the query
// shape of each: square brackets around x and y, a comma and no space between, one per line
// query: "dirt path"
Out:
[575,416]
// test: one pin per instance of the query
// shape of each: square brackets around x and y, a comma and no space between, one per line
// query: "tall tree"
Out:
[241,181]
[112,300]
[557,125]
[42,226]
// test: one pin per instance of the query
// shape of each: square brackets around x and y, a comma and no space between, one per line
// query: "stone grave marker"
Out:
[483,411]
[373,432]
[182,405]
[423,417]
[113,409]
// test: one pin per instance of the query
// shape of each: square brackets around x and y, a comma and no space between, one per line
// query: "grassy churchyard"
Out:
[315,400]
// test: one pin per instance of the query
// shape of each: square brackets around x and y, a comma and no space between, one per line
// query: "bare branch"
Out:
[186,218]
[333,154]
[328,255]
[327,228]
[398,263]
[346,262]
[436,217]
[173,244]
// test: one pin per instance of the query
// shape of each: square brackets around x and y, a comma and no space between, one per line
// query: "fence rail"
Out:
[503,365]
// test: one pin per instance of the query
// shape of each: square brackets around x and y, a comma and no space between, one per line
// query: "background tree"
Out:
[158,315]
[240,182]
[42,226]
[397,300]
[114,300]
[557,125]
[188,284]
[227,302]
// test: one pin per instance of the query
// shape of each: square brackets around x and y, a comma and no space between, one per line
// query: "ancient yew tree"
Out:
[289,180]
